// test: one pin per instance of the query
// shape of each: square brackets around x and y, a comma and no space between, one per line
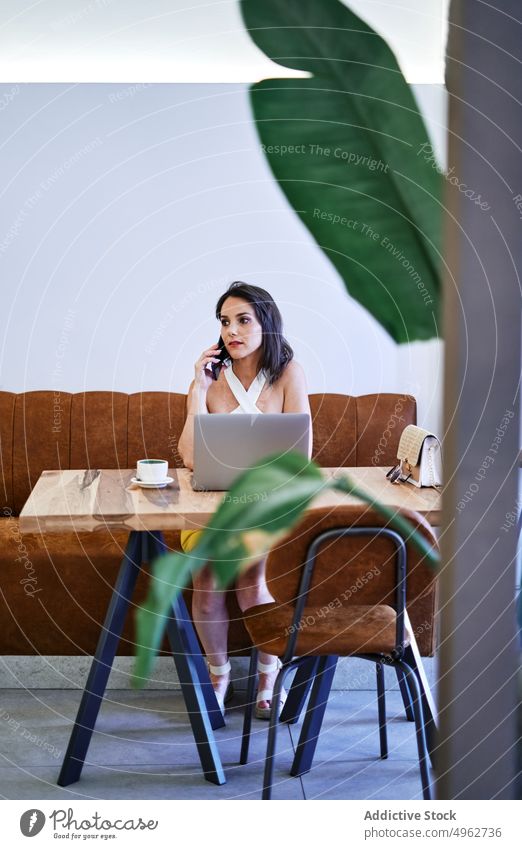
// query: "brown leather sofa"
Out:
[55,588]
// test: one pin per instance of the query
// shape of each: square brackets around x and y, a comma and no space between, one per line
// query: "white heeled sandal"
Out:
[218,671]
[266,695]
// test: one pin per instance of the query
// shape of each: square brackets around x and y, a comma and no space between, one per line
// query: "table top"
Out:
[105,499]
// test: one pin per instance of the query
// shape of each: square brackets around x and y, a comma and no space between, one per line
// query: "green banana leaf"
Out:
[350,151]
[262,506]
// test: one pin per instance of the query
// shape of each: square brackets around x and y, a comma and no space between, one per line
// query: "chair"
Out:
[341,583]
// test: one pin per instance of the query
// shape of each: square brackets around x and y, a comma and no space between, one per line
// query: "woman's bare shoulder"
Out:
[295,392]
[293,373]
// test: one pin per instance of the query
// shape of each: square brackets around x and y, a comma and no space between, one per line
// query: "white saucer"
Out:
[158,485]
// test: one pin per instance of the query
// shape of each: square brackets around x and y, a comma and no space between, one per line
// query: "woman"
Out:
[260,375]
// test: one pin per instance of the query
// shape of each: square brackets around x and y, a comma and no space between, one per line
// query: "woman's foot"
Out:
[221,684]
[267,676]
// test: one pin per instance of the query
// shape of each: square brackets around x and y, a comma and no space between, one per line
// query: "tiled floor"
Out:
[143,749]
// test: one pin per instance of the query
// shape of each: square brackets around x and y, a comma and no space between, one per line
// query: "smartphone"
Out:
[215,368]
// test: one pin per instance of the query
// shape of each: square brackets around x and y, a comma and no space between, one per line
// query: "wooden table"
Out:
[99,500]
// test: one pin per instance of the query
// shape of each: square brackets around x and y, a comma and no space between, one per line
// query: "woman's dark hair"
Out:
[276,352]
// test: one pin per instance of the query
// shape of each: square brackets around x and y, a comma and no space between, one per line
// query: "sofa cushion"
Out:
[99,430]
[7,407]
[41,439]
[334,425]
[56,589]
[155,422]
[380,421]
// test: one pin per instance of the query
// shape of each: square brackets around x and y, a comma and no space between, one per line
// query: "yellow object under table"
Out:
[189,539]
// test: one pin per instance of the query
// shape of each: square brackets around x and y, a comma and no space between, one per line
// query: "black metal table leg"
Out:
[298,692]
[102,663]
[315,710]
[191,669]
[200,667]
[156,546]
[197,691]
[192,691]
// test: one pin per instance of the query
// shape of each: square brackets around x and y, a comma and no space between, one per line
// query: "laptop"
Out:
[225,445]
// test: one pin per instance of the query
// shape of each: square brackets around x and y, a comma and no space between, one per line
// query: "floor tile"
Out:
[347,762]
[143,748]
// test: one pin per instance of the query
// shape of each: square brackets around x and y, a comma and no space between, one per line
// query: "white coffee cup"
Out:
[152,471]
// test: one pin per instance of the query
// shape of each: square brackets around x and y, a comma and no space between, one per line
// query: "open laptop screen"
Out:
[225,444]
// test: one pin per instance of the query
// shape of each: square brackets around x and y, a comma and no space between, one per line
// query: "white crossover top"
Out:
[246,398]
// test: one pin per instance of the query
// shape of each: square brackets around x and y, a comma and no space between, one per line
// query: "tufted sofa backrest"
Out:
[60,430]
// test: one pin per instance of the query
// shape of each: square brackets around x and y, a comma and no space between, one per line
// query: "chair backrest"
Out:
[54,429]
[354,570]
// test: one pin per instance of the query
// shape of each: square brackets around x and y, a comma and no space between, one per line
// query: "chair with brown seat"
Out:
[341,583]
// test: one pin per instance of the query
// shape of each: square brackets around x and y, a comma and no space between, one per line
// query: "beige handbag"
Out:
[420,458]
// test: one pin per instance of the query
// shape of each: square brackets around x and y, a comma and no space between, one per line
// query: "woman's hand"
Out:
[202,377]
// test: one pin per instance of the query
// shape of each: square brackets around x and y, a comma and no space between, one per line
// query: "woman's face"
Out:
[240,329]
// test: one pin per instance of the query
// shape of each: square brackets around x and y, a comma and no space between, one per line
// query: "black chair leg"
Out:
[381,705]
[422,747]
[405,693]
[249,707]
[268,778]
[313,720]
[413,659]
[299,690]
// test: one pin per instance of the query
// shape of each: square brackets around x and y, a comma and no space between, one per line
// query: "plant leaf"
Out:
[169,575]
[350,150]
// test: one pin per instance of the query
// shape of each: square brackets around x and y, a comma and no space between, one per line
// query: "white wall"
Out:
[126,210]
[185,40]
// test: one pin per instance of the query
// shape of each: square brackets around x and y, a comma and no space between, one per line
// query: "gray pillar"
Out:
[482,322]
